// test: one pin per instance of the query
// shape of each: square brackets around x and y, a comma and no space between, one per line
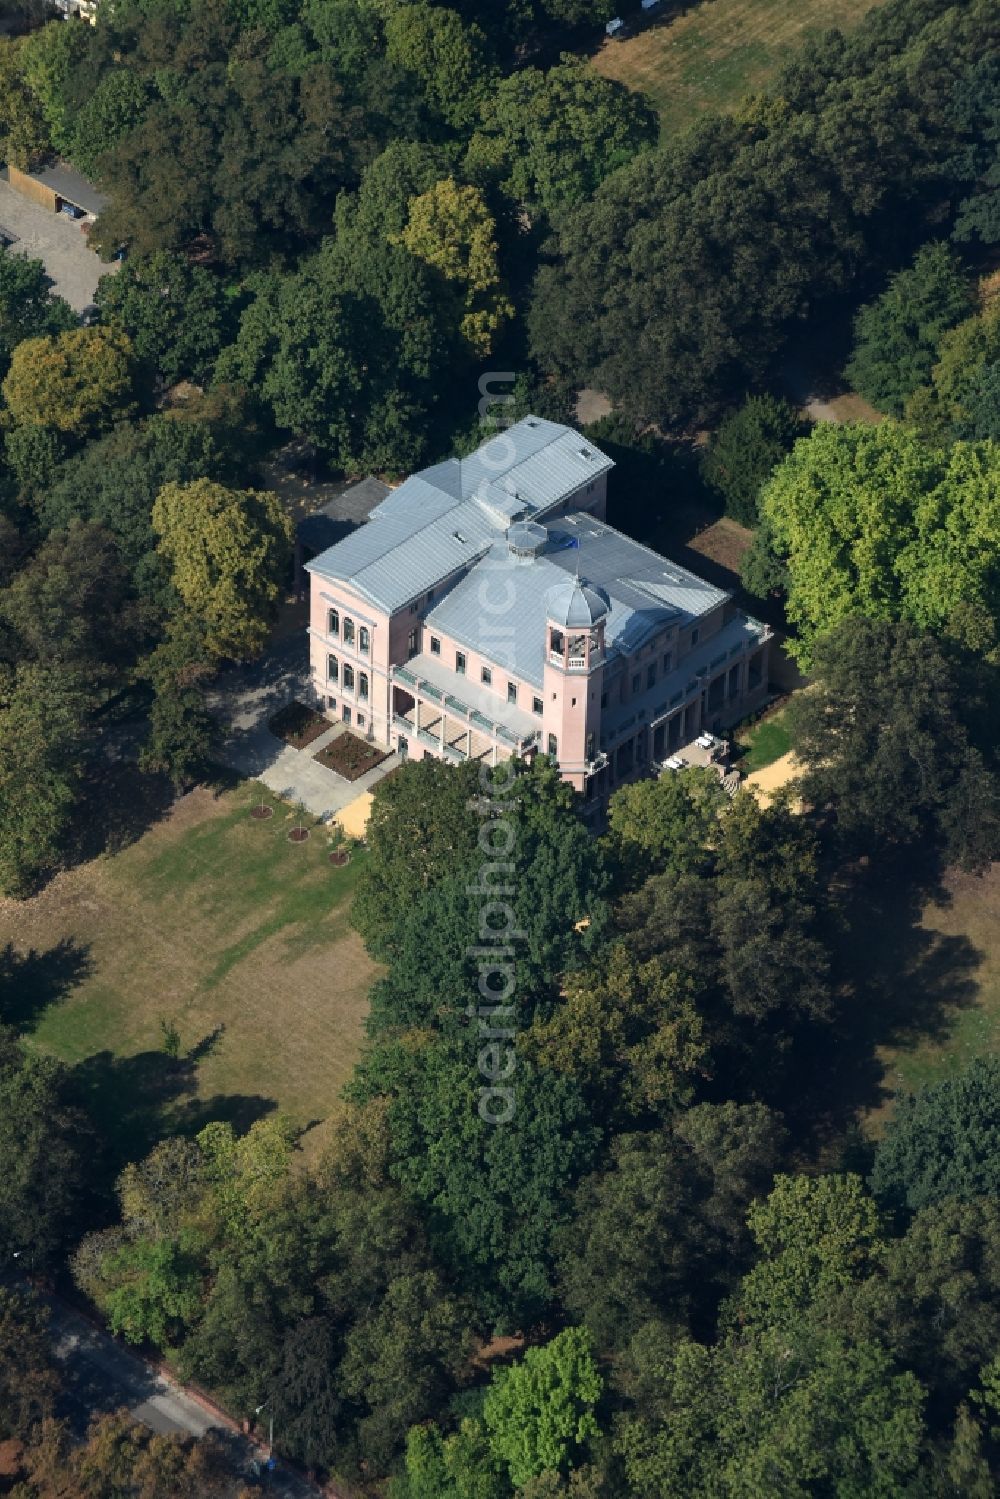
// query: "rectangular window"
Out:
[553,748]
[536,705]
[512,692]
[636,682]
[590,747]
[361,720]
[650,675]
[411,643]
[486,676]
[668,657]
[346,713]
[460,663]
[694,637]
[435,646]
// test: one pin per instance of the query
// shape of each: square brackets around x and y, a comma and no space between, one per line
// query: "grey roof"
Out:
[325,526]
[645,593]
[444,518]
[68,183]
[576,604]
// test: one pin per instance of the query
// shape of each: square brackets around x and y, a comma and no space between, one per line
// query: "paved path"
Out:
[244,698]
[57,241]
[100,1376]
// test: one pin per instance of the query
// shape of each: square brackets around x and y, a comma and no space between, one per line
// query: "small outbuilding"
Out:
[615,27]
[60,188]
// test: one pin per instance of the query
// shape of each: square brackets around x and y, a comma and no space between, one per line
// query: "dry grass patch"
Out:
[718,51]
[216,923]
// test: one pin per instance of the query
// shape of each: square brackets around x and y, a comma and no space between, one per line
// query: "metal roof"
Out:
[444,518]
[68,183]
[645,592]
[576,605]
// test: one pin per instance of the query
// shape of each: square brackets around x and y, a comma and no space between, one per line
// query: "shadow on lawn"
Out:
[136,1101]
[899,985]
[33,980]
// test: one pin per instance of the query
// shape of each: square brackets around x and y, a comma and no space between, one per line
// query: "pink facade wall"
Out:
[571,699]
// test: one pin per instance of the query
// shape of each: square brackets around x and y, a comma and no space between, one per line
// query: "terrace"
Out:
[455,716]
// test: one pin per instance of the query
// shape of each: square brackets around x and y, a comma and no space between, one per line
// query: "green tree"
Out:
[27,307]
[842,509]
[684,1192]
[666,823]
[182,732]
[540,1412]
[941,1315]
[229,551]
[172,312]
[882,739]
[44,1139]
[24,136]
[116,478]
[49,58]
[345,352]
[459,1465]
[943,1142]
[76,382]
[451,229]
[70,606]
[157,1287]
[551,138]
[961,398]
[115,108]
[896,336]
[29,1383]
[627,1033]
[42,715]
[448,58]
[746,448]
[494,1193]
[404,1359]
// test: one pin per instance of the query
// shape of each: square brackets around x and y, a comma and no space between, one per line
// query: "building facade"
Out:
[487,609]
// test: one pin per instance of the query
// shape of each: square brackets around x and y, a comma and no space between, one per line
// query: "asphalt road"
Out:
[101,1376]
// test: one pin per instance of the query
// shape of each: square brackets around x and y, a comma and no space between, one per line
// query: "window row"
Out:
[345,675]
[485,675]
[345,712]
[333,628]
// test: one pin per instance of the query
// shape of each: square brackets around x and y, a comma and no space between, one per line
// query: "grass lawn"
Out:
[766,740]
[960,929]
[220,925]
[717,51]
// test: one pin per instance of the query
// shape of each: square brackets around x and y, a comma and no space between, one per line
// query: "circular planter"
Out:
[340,856]
[262,813]
[298,835]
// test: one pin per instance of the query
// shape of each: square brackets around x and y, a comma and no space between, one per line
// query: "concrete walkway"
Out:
[245,697]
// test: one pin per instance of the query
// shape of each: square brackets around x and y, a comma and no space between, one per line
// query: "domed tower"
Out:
[575,616]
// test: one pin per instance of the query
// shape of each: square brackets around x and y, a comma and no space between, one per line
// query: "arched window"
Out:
[332,669]
[362,684]
[363,640]
[348,632]
[333,622]
[348,676]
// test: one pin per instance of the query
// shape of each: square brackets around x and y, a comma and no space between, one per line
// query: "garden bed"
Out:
[351,757]
[298,725]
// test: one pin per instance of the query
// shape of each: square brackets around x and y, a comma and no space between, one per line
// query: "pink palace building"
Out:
[487,609]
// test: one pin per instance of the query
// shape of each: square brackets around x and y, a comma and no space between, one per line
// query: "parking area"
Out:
[55,240]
